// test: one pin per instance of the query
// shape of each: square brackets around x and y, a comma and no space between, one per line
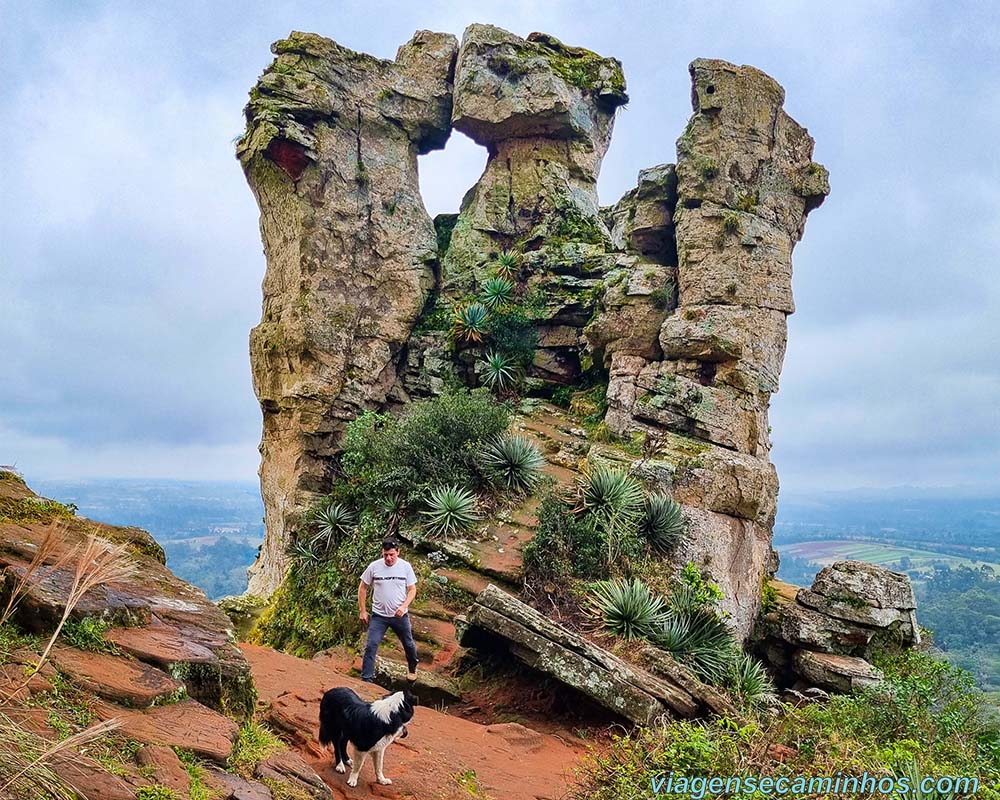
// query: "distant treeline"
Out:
[961,606]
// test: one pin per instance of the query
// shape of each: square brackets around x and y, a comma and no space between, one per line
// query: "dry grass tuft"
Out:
[25,759]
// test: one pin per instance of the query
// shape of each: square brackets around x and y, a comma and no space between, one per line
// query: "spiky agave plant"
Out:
[749,682]
[626,607]
[507,264]
[469,324]
[498,371]
[610,493]
[450,509]
[330,523]
[698,638]
[496,292]
[614,499]
[513,461]
[662,523]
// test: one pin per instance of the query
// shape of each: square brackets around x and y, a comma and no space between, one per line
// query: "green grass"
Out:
[254,743]
[156,792]
[88,634]
[197,789]
[34,509]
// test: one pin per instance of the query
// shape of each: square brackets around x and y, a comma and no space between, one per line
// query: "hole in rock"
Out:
[446,175]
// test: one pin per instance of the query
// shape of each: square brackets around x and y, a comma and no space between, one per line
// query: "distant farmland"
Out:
[828,551]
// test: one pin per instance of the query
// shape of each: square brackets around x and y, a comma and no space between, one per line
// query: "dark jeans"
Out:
[377,626]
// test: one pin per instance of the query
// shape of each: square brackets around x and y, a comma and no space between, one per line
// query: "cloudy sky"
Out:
[130,264]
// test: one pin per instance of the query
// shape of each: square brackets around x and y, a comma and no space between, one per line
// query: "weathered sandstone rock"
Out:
[824,634]
[734,206]
[628,691]
[545,112]
[330,152]
[680,290]
[839,673]
[168,624]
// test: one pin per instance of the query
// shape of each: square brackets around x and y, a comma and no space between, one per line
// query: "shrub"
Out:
[436,442]
[926,717]
[627,608]
[450,509]
[512,333]
[565,545]
[662,523]
[496,292]
[316,606]
[513,461]
[469,324]
[499,372]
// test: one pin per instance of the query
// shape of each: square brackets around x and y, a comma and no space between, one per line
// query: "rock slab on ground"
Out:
[628,691]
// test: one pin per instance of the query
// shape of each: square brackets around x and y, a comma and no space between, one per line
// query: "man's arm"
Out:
[411,592]
[363,601]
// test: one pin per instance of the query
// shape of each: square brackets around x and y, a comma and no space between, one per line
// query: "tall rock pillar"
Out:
[330,153]
[745,181]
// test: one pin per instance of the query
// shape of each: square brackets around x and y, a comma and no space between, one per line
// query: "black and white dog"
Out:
[369,727]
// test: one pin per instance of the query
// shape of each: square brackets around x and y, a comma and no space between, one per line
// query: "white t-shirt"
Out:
[391,584]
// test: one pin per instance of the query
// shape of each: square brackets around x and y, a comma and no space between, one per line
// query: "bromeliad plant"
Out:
[615,499]
[662,523]
[450,509]
[626,608]
[331,522]
[496,292]
[507,264]
[469,324]
[513,461]
[499,372]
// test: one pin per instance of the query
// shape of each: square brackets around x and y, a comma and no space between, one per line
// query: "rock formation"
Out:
[330,152]
[822,636]
[675,298]
[630,692]
[711,241]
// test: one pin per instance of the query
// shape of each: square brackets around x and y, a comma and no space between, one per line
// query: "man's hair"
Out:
[390,544]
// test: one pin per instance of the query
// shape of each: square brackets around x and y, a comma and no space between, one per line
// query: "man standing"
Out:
[395,588]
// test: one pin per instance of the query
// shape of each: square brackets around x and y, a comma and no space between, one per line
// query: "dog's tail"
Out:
[325,734]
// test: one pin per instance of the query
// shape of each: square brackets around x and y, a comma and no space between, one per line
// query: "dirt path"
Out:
[443,757]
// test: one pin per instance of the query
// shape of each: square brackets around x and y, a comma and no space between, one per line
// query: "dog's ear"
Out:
[410,698]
